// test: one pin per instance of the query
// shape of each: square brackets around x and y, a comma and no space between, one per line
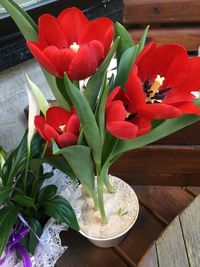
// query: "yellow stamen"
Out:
[62,128]
[127,114]
[156,84]
[74,47]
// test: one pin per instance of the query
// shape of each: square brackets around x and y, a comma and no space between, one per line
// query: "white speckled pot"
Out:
[115,240]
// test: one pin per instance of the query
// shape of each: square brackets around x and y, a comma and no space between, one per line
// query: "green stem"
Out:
[95,199]
[27,165]
[108,185]
[100,186]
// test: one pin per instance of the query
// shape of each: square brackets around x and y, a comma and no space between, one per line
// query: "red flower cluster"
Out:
[159,87]
[59,125]
[72,44]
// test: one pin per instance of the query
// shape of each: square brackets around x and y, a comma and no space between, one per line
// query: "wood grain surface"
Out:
[161,11]
[190,222]
[179,244]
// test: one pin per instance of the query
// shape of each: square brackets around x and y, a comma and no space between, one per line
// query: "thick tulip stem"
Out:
[100,187]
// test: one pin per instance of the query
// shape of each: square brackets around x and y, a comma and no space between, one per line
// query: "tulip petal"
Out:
[144,125]
[116,94]
[134,89]
[188,108]
[193,81]
[73,124]
[165,61]
[122,129]
[100,29]
[50,32]
[50,133]
[39,122]
[57,116]
[60,57]
[116,112]
[66,139]
[159,111]
[72,21]
[42,58]
[86,61]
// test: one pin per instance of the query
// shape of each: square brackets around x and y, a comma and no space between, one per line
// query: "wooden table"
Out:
[159,205]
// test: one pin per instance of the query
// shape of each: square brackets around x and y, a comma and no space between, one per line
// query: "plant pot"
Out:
[122,210]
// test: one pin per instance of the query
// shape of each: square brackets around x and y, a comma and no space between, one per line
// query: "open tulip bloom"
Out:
[150,97]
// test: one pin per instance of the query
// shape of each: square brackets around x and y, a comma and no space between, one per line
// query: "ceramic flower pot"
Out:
[122,210]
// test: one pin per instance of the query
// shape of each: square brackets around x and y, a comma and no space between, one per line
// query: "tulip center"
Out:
[153,94]
[74,47]
[62,128]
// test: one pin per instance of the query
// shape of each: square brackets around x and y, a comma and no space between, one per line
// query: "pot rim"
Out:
[125,231]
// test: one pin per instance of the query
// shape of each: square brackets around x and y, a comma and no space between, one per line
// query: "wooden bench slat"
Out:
[171,248]
[150,259]
[190,222]
[160,159]
[172,200]
[189,37]
[161,11]
[194,190]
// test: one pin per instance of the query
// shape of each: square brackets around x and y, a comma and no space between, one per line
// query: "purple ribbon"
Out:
[13,244]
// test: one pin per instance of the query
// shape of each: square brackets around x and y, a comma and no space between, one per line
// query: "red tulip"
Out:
[159,86]
[120,122]
[161,82]
[72,44]
[59,125]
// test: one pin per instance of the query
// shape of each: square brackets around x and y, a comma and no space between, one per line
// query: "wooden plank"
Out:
[164,202]
[81,253]
[162,179]
[189,37]
[190,222]
[193,190]
[161,11]
[171,248]
[161,159]
[150,258]
[189,135]
[140,237]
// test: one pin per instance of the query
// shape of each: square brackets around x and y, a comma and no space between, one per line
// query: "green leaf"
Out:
[101,109]
[57,162]
[36,229]
[24,200]
[47,193]
[61,210]
[164,129]
[16,161]
[125,40]
[87,119]
[43,104]
[24,22]
[8,217]
[125,66]
[80,160]
[142,40]
[94,84]
[4,193]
